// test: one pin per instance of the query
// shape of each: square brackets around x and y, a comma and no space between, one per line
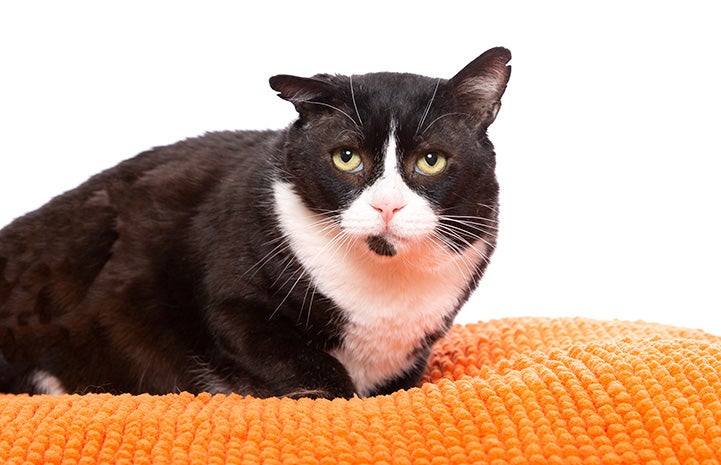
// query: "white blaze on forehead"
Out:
[390,162]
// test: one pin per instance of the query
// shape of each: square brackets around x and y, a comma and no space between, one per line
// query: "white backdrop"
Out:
[608,140]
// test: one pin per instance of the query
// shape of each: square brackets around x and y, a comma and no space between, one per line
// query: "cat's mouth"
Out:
[381,246]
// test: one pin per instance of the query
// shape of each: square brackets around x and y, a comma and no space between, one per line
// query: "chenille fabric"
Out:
[510,391]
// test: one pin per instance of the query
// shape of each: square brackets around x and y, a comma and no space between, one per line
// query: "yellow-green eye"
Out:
[347,160]
[431,164]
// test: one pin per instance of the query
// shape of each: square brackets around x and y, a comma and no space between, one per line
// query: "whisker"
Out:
[441,117]
[302,274]
[355,105]
[493,208]
[454,232]
[428,107]
[334,108]
[277,250]
[324,221]
[472,217]
[339,241]
[458,259]
[481,254]
[288,262]
[478,226]
[310,303]
[456,235]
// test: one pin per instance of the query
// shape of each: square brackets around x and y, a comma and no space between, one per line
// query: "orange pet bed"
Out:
[512,391]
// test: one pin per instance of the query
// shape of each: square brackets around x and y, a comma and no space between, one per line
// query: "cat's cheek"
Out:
[360,219]
[416,221]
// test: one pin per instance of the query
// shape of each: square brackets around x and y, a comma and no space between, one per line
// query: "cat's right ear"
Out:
[479,86]
[301,91]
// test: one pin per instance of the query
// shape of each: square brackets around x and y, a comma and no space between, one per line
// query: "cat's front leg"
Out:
[273,357]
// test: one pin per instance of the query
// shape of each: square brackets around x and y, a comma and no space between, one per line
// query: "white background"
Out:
[608,140]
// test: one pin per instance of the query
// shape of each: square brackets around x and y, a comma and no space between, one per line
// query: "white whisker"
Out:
[355,105]
[324,221]
[470,217]
[334,108]
[288,262]
[339,241]
[448,248]
[455,233]
[277,250]
[428,107]
[478,226]
[302,273]
[441,117]
[310,303]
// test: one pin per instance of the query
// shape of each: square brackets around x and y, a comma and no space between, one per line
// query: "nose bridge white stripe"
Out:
[390,188]
[390,163]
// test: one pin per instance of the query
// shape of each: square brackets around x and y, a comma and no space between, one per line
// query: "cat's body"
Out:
[321,260]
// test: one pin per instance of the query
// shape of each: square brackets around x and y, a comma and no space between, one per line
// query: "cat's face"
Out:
[399,162]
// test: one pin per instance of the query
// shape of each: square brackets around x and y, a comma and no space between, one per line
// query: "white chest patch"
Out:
[391,303]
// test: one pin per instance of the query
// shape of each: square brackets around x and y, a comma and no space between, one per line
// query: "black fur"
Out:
[152,276]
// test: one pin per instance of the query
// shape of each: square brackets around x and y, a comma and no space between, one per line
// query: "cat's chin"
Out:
[389,246]
[381,246]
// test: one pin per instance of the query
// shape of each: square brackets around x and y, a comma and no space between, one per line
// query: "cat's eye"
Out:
[347,160]
[431,164]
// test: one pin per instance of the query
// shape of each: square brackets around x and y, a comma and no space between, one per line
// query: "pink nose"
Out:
[388,208]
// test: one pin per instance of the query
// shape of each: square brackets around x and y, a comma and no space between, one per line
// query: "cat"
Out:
[322,260]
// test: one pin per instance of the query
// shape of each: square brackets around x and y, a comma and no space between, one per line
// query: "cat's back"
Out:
[52,257]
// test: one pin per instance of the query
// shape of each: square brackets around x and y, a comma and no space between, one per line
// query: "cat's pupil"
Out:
[346,155]
[431,159]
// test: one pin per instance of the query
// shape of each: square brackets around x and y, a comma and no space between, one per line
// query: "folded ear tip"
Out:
[300,90]
[274,80]
[280,83]
[293,88]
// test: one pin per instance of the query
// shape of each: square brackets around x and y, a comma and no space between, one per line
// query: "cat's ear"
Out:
[301,91]
[479,86]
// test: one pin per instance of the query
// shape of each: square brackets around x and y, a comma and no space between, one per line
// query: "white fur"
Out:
[45,383]
[392,303]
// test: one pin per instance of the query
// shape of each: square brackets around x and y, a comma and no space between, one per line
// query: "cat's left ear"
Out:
[479,86]
[301,91]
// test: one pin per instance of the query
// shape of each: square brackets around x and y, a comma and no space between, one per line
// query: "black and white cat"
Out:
[323,260]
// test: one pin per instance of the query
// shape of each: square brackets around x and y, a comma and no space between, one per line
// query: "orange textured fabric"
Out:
[512,391]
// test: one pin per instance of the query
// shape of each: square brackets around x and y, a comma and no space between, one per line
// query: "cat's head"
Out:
[398,161]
